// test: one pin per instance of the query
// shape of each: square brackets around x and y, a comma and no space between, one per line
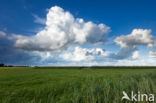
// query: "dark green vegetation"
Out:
[74,85]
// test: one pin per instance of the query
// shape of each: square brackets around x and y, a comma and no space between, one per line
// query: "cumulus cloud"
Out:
[62,30]
[2,34]
[84,54]
[129,42]
[137,37]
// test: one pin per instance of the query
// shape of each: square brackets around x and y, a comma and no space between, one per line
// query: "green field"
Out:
[74,84]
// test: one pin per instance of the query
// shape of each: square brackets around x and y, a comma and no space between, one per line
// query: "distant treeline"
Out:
[4,65]
[82,67]
[96,67]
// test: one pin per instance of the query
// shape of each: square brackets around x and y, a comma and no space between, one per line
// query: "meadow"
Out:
[74,84]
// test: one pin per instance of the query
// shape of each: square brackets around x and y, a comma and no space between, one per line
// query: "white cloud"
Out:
[135,55]
[84,54]
[137,37]
[152,54]
[2,34]
[150,45]
[129,42]
[62,30]
[44,55]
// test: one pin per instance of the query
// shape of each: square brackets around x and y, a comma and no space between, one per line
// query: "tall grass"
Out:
[86,86]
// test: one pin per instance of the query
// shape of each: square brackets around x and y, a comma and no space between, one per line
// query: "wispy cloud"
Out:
[39,19]
[2,34]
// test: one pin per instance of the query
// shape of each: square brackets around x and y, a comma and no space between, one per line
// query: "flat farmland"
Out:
[74,84]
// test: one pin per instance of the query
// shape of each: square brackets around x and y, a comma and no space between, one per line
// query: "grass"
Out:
[74,84]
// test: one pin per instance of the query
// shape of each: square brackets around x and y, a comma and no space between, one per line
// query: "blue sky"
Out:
[23,20]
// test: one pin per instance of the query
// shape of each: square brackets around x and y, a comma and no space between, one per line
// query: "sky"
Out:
[78,32]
